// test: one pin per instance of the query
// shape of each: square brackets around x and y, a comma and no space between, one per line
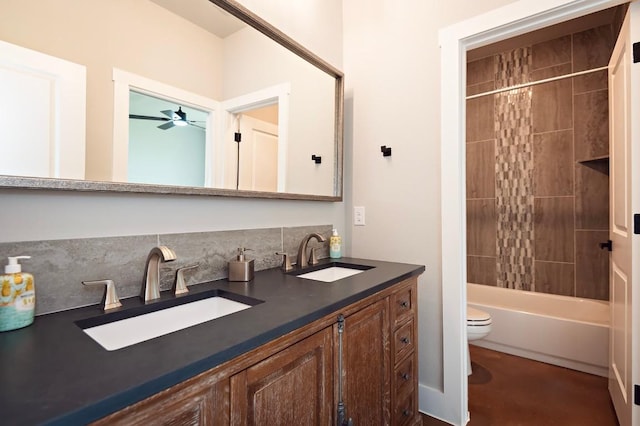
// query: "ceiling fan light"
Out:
[180,117]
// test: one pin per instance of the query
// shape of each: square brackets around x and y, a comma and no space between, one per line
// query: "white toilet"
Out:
[478,327]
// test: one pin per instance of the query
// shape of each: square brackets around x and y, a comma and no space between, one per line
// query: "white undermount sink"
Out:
[130,331]
[331,274]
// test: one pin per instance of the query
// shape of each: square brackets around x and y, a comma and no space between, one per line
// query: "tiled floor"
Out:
[506,390]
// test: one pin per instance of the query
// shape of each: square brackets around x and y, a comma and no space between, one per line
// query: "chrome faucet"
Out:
[302,250]
[151,282]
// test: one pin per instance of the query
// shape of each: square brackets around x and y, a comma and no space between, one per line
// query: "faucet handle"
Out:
[110,297]
[286,261]
[180,285]
[313,258]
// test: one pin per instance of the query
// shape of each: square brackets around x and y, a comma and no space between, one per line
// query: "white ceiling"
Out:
[204,14]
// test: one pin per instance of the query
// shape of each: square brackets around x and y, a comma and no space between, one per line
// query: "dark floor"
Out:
[507,390]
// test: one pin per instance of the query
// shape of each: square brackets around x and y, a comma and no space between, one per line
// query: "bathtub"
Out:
[565,331]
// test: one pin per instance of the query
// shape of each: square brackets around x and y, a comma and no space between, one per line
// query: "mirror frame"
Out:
[242,13]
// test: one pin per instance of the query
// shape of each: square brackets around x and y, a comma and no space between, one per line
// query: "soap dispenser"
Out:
[17,296]
[241,269]
[335,245]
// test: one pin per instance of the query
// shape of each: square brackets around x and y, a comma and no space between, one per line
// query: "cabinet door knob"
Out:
[406,412]
[406,376]
[404,340]
[404,304]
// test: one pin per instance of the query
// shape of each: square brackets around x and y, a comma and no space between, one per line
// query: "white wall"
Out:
[392,74]
[34,215]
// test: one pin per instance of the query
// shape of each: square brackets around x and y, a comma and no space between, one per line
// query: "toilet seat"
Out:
[478,324]
[476,317]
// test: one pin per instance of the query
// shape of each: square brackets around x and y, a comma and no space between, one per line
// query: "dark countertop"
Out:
[52,373]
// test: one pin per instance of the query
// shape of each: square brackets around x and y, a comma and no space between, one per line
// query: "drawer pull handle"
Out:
[404,304]
[406,412]
[405,340]
[406,376]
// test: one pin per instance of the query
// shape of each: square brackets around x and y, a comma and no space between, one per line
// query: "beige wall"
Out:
[139,37]
[311,104]
[392,68]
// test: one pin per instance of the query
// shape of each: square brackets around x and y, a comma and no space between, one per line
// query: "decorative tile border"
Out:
[514,173]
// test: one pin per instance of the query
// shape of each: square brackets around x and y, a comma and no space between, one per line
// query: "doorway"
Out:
[512,20]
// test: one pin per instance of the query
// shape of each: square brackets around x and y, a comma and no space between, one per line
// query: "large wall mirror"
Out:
[164,96]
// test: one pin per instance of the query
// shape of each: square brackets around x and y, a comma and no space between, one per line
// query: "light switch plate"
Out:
[358,216]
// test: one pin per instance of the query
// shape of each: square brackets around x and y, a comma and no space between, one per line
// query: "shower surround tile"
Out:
[480,116]
[592,199]
[550,53]
[553,163]
[554,226]
[552,106]
[592,265]
[514,173]
[592,48]
[589,82]
[546,205]
[591,125]
[555,278]
[481,270]
[480,71]
[550,72]
[481,174]
[481,227]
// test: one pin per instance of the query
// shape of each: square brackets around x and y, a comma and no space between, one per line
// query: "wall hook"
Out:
[386,152]
[316,158]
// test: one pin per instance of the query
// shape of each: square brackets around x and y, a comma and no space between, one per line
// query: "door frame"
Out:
[508,21]
[279,94]
[123,82]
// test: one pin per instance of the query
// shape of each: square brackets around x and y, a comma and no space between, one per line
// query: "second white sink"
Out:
[129,331]
[328,275]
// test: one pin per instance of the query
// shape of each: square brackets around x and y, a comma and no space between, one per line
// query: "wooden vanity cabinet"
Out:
[366,369]
[288,388]
[296,378]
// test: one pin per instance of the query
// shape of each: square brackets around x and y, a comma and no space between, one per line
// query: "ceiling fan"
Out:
[173,118]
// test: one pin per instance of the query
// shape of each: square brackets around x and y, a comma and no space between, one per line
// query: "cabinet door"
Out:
[366,367]
[291,387]
[198,401]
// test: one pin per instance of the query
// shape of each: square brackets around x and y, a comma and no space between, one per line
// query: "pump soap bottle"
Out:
[17,296]
[335,245]
[241,269]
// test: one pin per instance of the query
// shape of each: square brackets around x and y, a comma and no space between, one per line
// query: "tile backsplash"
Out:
[60,266]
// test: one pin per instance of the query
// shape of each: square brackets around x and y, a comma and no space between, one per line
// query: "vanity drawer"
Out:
[403,304]
[403,340]
[404,375]
[405,410]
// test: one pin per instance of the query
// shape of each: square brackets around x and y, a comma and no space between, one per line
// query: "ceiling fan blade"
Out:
[148,117]
[166,125]
[168,113]
[195,125]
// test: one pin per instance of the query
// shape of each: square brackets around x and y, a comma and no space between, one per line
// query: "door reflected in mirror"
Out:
[255,133]
[167,144]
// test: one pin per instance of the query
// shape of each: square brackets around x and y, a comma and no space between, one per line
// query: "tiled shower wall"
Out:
[60,266]
[537,168]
